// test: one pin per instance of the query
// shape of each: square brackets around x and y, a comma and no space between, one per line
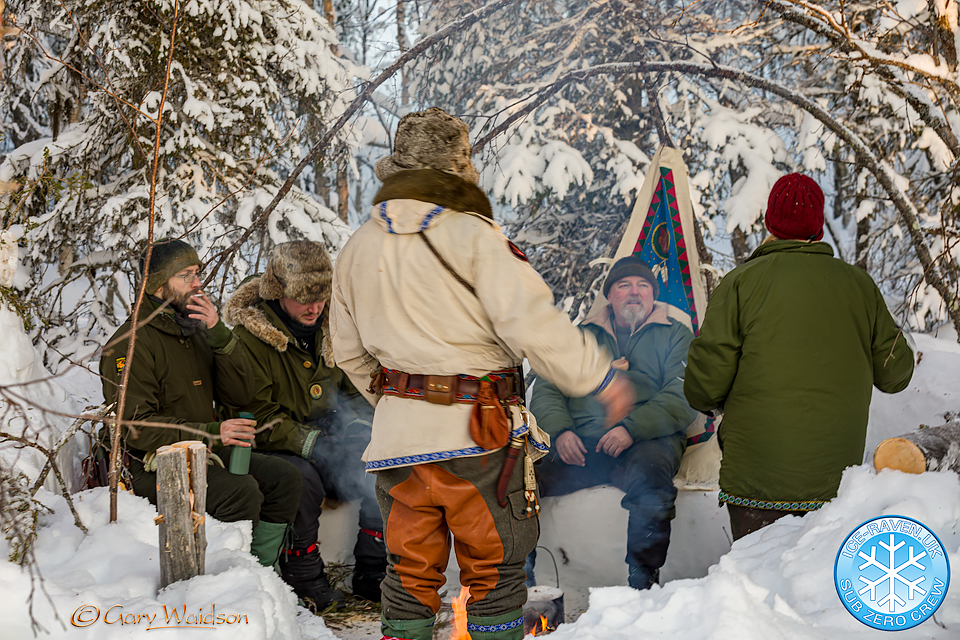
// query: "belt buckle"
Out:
[439,389]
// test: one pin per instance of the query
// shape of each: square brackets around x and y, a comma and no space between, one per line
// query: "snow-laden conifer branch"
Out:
[856,54]
[56,472]
[934,276]
[320,147]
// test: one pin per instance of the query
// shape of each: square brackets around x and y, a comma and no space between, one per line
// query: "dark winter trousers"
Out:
[315,489]
[644,472]
[744,520]
[422,506]
[337,458]
[271,492]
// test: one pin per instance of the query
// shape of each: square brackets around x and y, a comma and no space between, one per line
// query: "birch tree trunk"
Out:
[402,44]
[926,449]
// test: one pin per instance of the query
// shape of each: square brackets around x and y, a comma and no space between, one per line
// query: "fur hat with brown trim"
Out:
[431,139]
[299,270]
[243,309]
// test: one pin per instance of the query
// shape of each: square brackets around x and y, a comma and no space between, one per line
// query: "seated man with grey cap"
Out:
[321,422]
[641,453]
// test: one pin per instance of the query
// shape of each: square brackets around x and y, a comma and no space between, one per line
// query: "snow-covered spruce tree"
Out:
[370,35]
[244,81]
[889,74]
[568,172]
[748,92]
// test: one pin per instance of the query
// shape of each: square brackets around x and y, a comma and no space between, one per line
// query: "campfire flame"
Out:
[460,615]
[542,629]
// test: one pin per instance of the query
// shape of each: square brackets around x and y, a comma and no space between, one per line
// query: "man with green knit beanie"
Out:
[186,371]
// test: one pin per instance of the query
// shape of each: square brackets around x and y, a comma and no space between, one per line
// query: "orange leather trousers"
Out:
[423,506]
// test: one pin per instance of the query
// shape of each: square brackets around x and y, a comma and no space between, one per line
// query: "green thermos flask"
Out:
[240,456]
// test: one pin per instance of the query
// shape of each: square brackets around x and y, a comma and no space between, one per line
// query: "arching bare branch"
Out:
[932,273]
[318,150]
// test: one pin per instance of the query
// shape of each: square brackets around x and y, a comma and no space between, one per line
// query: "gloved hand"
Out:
[327,424]
[315,429]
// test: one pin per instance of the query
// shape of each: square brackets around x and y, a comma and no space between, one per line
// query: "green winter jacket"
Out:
[175,379]
[790,346]
[656,353]
[305,393]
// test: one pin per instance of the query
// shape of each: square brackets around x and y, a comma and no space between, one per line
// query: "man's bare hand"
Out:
[620,364]
[618,399]
[238,431]
[571,449]
[615,442]
[202,309]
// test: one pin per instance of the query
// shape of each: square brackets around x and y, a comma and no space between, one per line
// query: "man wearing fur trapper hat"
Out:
[641,454]
[322,422]
[791,345]
[433,310]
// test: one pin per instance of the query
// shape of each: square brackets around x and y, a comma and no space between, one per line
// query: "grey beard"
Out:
[633,315]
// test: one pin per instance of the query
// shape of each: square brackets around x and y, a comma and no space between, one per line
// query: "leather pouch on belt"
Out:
[439,389]
[488,421]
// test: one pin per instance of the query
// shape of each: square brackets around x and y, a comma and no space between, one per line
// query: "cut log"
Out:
[181,501]
[926,449]
[198,498]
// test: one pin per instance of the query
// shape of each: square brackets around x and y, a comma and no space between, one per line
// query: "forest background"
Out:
[567,101]
[239,124]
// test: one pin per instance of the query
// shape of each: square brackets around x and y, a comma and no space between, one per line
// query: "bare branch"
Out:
[317,150]
[99,412]
[56,471]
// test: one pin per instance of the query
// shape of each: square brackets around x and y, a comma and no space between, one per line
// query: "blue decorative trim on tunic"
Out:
[493,628]
[430,216]
[606,382]
[383,215]
[423,458]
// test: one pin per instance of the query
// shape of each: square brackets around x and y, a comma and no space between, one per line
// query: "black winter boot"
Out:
[303,570]
[367,577]
[371,564]
[641,578]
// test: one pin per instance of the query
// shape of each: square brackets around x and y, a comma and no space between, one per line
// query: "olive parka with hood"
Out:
[175,379]
[656,353]
[791,345]
[302,393]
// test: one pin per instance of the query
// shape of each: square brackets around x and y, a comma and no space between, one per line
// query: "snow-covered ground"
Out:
[775,583]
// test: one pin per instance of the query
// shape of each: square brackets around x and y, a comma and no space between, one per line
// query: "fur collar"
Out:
[243,309]
[436,187]
[661,314]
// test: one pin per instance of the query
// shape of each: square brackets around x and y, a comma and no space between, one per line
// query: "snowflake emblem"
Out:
[891,574]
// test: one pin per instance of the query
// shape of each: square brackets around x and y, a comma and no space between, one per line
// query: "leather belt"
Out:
[447,389]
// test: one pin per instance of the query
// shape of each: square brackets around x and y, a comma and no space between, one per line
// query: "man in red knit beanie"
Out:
[791,345]
[795,208]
